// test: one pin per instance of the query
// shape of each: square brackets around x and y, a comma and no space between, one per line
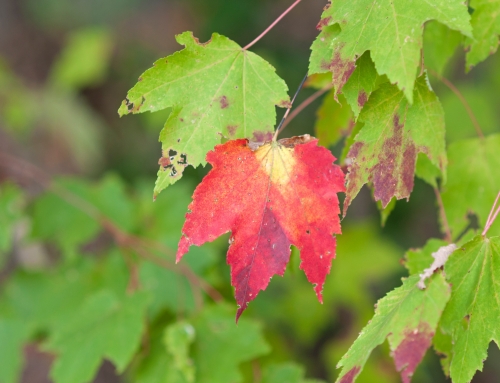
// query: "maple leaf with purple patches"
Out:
[408,318]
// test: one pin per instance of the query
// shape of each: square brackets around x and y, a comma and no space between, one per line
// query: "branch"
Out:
[272,25]
[121,238]
[280,126]
[442,212]
[305,104]
[462,99]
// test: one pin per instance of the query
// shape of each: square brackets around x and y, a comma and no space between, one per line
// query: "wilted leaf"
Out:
[270,197]
[215,89]
[390,30]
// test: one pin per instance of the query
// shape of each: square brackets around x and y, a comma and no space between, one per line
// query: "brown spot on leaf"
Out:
[231,130]
[384,177]
[323,23]
[362,98]
[296,140]
[408,167]
[259,136]
[164,161]
[351,374]
[223,102]
[411,350]
[341,69]
[285,104]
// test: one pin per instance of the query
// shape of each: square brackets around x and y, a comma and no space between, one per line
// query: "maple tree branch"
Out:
[444,220]
[279,128]
[492,216]
[462,99]
[304,104]
[272,25]
[121,238]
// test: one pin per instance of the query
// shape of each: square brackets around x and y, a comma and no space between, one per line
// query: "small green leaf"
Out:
[84,60]
[407,317]
[105,326]
[477,161]
[385,150]
[11,211]
[215,89]
[471,316]
[485,29]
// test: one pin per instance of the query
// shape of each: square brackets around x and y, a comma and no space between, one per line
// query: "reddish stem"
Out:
[442,212]
[304,104]
[272,25]
[492,216]
[464,102]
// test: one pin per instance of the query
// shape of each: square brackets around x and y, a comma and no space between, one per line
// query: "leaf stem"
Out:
[462,99]
[278,129]
[122,239]
[272,25]
[444,220]
[492,216]
[305,104]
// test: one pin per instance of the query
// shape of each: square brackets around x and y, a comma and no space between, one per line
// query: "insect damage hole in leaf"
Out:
[269,196]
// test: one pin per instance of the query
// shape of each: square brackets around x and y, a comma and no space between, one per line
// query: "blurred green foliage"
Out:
[74,283]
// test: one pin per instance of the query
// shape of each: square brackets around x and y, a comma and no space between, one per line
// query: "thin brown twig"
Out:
[442,212]
[272,25]
[462,99]
[304,104]
[122,239]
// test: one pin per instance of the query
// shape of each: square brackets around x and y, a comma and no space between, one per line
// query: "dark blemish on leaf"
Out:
[231,130]
[355,149]
[285,104]
[412,349]
[181,119]
[384,173]
[362,98]
[139,79]
[178,140]
[408,168]
[323,23]
[223,102]
[164,161]
[295,140]
[259,136]
[351,374]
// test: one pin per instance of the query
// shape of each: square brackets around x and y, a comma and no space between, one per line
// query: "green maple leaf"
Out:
[214,89]
[390,30]
[471,316]
[106,326]
[407,317]
[486,30]
[394,132]
[334,120]
[477,161]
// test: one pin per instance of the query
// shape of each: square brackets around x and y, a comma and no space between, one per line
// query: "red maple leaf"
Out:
[269,197]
